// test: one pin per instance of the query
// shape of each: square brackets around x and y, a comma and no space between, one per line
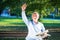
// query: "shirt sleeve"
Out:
[24,17]
[43,28]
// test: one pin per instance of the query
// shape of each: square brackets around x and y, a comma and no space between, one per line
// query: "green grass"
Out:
[4,21]
[10,21]
[11,24]
[50,21]
[16,23]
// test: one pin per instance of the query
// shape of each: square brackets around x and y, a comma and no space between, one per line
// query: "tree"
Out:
[44,7]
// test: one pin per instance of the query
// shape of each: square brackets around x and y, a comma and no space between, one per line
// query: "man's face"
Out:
[35,17]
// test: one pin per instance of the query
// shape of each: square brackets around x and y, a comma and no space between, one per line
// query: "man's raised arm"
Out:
[23,14]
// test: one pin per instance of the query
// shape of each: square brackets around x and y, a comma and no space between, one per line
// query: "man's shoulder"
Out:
[40,23]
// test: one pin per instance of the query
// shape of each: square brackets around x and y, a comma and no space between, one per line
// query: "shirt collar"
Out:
[35,23]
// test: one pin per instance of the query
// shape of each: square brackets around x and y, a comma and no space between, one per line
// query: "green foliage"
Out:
[47,9]
[43,6]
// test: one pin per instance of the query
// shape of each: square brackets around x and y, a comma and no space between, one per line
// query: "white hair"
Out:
[37,14]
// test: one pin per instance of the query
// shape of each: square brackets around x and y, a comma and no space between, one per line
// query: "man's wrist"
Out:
[23,10]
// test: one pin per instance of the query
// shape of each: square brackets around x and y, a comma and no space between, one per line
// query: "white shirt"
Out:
[33,28]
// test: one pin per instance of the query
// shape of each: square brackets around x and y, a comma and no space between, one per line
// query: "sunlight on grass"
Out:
[50,21]
[10,22]
[19,21]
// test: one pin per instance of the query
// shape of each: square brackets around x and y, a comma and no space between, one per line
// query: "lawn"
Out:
[18,24]
[51,20]
[11,24]
[10,21]
[18,21]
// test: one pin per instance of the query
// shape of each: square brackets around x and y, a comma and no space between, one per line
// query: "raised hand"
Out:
[24,7]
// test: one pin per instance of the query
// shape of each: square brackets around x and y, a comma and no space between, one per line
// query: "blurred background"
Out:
[12,26]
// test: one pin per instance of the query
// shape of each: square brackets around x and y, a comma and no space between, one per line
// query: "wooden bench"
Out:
[20,34]
[12,34]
